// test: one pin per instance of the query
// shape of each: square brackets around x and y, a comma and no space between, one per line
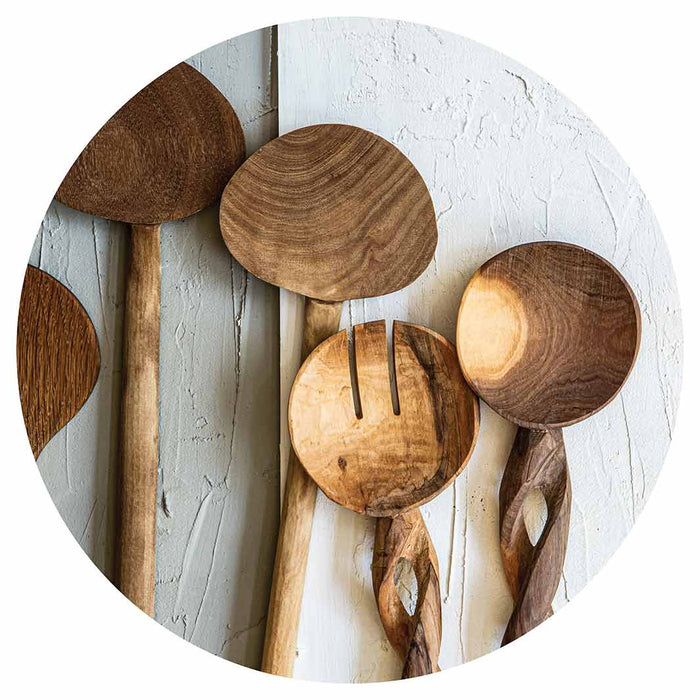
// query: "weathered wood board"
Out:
[508,159]
[218,476]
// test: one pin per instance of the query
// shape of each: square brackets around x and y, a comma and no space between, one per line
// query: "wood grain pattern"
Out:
[166,154]
[139,420]
[382,457]
[547,334]
[366,457]
[537,461]
[58,358]
[332,212]
[320,322]
[416,637]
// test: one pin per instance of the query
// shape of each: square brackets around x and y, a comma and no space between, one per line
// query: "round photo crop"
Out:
[363,308]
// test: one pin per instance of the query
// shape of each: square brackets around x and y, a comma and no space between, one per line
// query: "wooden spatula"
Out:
[332,212]
[166,154]
[384,460]
[58,358]
[547,335]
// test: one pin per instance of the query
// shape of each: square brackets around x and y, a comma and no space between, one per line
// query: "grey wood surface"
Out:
[219,444]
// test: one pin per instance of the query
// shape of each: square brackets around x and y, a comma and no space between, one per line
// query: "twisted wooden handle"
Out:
[415,637]
[537,461]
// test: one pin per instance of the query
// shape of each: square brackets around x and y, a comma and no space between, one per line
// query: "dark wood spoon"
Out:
[547,334]
[332,212]
[58,358]
[166,154]
[384,460]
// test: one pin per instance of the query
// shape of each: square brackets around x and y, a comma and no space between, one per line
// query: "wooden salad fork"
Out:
[384,456]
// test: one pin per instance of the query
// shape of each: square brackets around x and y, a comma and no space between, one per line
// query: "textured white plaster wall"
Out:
[508,159]
[219,482]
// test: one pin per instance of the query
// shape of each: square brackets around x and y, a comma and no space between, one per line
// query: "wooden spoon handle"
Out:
[139,419]
[321,320]
[415,637]
[537,461]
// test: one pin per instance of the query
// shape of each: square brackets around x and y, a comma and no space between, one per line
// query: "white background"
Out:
[507,159]
[631,72]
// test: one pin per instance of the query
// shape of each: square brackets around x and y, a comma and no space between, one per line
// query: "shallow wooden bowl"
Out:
[547,333]
[365,455]
[330,211]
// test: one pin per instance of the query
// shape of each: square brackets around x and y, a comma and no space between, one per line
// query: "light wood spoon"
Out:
[58,358]
[332,212]
[547,334]
[384,461]
[166,154]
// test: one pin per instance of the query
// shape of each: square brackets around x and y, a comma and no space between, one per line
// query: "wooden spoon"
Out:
[58,358]
[332,212]
[166,154]
[547,334]
[373,459]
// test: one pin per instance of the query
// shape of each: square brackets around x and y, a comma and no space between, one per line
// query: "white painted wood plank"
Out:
[218,492]
[508,159]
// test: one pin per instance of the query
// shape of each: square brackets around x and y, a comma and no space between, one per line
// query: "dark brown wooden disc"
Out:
[166,154]
[58,358]
[330,211]
[547,333]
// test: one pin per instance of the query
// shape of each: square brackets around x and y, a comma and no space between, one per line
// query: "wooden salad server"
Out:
[332,212]
[384,458]
[547,334]
[166,154]
[58,358]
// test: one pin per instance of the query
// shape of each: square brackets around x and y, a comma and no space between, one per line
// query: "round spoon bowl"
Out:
[58,357]
[547,333]
[166,154]
[365,455]
[332,212]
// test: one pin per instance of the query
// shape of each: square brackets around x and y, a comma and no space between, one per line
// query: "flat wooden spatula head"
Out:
[58,358]
[166,154]
[332,212]
[547,333]
[369,457]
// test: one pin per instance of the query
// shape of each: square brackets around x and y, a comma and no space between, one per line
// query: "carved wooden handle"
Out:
[537,461]
[139,419]
[415,637]
[321,320]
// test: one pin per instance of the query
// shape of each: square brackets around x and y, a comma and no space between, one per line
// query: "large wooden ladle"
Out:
[384,460]
[58,358]
[547,334]
[332,212]
[166,154]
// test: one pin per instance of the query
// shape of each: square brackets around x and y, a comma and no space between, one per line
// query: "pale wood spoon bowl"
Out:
[332,212]
[547,334]
[384,460]
[166,154]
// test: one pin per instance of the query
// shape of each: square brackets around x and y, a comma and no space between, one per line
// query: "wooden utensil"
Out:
[332,212]
[58,358]
[547,334]
[166,154]
[384,460]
